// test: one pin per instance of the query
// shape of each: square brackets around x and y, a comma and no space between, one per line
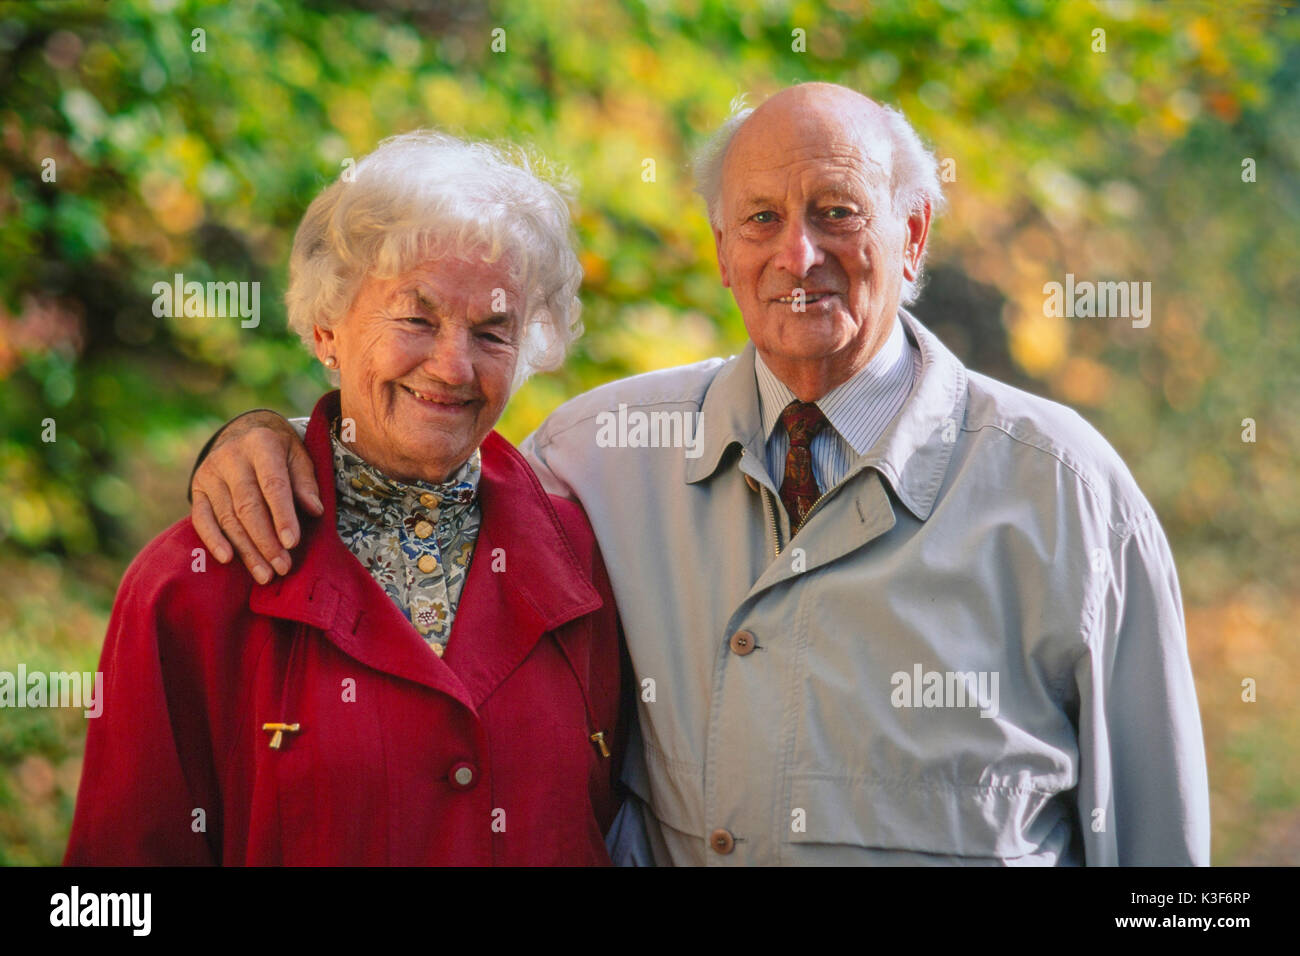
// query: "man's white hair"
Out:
[428,195]
[914,180]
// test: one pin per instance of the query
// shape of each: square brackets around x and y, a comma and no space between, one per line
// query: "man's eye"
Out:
[838,212]
[765,216]
[415,319]
[496,337]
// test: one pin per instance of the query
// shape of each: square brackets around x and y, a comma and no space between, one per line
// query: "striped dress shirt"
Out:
[858,411]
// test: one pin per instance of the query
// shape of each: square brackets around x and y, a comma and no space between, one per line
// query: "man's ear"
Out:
[722,263]
[915,233]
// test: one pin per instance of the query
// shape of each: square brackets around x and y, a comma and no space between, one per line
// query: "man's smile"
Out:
[808,298]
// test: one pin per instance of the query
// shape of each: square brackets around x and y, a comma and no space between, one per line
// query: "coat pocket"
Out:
[935,817]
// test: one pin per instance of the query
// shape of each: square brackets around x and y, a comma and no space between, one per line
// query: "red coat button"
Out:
[462,776]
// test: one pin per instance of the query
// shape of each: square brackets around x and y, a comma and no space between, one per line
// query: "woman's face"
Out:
[426,361]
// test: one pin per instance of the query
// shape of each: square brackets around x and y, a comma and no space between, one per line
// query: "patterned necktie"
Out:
[802,421]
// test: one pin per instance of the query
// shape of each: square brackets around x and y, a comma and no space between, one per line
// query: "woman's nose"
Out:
[450,360]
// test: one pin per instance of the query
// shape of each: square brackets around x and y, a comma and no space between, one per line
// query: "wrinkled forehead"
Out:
[813,148]
[472,283]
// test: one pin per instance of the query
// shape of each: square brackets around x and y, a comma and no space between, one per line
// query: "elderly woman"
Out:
[436,681]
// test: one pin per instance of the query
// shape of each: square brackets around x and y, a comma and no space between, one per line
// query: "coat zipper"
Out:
[808,514]
[770,514]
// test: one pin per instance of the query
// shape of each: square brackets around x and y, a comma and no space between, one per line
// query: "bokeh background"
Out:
[1122,165]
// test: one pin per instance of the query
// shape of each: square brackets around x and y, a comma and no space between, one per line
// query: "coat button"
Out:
[742,643]
[753,485]
[428,500]
[462,776]
[427,563]
[722,841]
[423,529]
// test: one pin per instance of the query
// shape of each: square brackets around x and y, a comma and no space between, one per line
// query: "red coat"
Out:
[481,757]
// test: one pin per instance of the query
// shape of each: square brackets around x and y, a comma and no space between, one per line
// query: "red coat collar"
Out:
[537,586]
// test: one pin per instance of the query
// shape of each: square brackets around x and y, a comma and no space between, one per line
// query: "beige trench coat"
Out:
[972,652]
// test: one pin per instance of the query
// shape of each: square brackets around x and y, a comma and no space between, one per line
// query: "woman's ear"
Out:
[325,346]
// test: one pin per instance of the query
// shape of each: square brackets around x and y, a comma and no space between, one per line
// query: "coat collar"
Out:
[523,581]
[913,453]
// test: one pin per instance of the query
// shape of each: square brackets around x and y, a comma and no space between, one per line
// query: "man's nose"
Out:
[451,361]
[798,252]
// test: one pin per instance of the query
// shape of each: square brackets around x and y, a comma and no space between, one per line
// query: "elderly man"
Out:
[881,609]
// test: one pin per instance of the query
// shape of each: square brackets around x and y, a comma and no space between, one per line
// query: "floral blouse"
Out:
[415,539]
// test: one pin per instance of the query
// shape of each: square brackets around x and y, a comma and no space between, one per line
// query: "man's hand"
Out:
[256,463]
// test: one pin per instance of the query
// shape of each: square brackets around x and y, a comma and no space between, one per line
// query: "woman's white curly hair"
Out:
[427,195]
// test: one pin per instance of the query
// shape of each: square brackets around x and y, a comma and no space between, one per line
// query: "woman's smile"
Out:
[440,404]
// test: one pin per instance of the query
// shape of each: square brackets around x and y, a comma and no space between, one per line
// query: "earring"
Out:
[331,362]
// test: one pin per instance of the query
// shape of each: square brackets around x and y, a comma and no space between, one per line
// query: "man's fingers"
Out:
[303,475]
[223,508]
[244,481]
[209,532]
[249,505]
[268,462]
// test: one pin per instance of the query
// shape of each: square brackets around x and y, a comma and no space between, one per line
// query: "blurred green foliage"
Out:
[176,151]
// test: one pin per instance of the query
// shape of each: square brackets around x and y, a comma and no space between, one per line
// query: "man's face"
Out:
[806,205]
[426,361]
